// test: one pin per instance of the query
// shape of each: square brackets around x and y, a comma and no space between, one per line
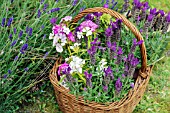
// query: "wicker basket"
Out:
[68,103]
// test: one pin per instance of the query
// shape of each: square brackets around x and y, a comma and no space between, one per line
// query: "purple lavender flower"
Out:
[153,11]
[135,44]
[119,51]
[108,75]
[161,12]
[3,22]
[112,1]
[26,69]
[85,89]
[39,13]
[46,54]
[118,85]
[15,30]
[9,71]
[108,32]
[97,14]
[45,7]
[106,6]
[20,33]
[92,50]
[89,17]
[56,1]
[105,88]
[54,10]
[42,27]
[107,1]
[24,48]
[27,29]
[53,21]
[95,43]
[75,2]
[16,58]
[13,43]
[88,79]
[168,17]
[132,85]
[10,36]
[30,32]
[102,2]
[10,21]
[5,76]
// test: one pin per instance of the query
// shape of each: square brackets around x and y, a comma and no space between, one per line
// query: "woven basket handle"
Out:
[126,22]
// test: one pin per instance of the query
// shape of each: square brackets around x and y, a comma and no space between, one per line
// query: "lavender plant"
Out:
[25,51]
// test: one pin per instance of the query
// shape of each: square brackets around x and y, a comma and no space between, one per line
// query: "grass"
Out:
[39,97]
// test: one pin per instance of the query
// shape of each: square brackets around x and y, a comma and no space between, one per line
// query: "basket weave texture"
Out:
[69,103]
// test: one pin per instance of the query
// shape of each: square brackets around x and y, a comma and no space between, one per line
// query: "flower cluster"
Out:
[92,59]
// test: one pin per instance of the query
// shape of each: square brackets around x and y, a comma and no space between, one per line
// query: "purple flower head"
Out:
[5,76]
[71,37]
[107,1]
[98,14]
[42,27]
[20,33]
[15,30]
[62,67]
[153,11]
[119,51]
[9,71]
[26,69]
[161,12]
[54,10]
[114,25]
[27,29]
[46,54]
[145,6]
[108,32]
[3,22]
[168,17]
[106,6]
[109,72]
[16,58]
[112,46]
[88,23]
[24,48]
[92,50]
[134,62]
[9,21]
[95,42]
[118,85]
[53,21]
[66,71]
[89,17]
[30,32]
[10,36]
[130,56]
[39,13]
[150,18]
[123,75]
[87,75]
[132,85]
[75,2]
[45,7]
[56,1]
[13,43]
[105,88]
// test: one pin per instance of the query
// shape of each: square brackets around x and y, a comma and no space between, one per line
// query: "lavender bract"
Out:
[3,22]
[118,85]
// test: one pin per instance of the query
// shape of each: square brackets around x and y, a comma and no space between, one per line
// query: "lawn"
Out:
[26,88]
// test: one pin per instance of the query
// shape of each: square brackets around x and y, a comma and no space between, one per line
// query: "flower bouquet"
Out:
[102,65]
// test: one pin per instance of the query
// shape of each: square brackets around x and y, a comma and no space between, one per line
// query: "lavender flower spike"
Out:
[118,85]
[9,21]
[23,48]
[105,88]
[53,21]
[20,33]
[39,13]
[88,79]
[30,32]
[75,2]
[3,22]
